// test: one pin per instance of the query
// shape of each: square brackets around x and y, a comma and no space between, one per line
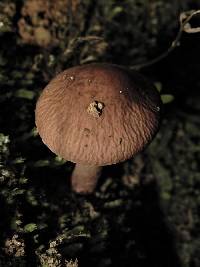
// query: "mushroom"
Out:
[95,115]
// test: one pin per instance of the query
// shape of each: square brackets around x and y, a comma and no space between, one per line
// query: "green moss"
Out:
[145,212]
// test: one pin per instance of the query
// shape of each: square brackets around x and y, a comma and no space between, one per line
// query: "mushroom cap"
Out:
[98,114]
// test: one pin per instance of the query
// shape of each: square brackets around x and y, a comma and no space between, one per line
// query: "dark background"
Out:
[145,212]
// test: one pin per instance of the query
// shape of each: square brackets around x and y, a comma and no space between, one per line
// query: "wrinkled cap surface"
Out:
[98,114]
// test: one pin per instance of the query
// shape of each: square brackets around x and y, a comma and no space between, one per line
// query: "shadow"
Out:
[147,239]
[6,215]
[138,232]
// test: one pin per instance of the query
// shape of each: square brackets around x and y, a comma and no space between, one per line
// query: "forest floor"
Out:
[145,211]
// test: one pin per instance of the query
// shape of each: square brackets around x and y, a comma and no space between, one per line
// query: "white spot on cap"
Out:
[95,108]
[72,78]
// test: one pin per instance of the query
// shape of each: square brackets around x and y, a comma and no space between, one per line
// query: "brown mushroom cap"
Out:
[98,114]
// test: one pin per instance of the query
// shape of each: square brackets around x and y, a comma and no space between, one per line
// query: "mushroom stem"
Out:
[84,178]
